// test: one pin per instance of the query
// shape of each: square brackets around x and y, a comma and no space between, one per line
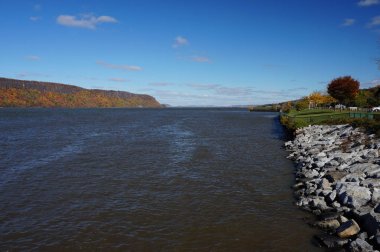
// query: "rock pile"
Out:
[338,179]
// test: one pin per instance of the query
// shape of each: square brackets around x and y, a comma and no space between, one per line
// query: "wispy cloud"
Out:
[233,91]
[118,80]
[372,83]
[366,3]
[200,59]
[34,18]
[37,7]
[220,95]
[374,22]
[161,84]
[348,22]
[87,21]
[32,58]
[222,90]
[120,67]
[28,74]
[180,41]
[203,86]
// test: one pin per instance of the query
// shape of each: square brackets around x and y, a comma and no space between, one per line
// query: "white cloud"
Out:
[118,79]
[120,67]
[34,18]
[348,22]
[366,3]
[32,58]
[180,41]
[200,59]
[374,22]
[87,21]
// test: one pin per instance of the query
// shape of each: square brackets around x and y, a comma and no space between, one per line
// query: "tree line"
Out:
[344,90]
[19,93]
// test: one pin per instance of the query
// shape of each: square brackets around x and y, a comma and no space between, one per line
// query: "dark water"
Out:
[146,180]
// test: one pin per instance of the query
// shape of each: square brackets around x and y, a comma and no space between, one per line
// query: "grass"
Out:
[314,112]
[298,119]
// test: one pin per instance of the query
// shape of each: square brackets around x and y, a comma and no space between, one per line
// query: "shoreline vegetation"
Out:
[20,93]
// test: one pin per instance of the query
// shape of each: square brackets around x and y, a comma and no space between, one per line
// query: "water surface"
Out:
[146,180]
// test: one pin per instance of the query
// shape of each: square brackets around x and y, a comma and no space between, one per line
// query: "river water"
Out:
[147,180]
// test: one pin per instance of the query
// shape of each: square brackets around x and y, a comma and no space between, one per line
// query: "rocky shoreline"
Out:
[338,179]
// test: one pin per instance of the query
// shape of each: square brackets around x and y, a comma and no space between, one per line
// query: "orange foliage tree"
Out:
[344,89]
[318,98]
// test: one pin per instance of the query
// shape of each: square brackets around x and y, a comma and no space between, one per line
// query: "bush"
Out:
[299,123]
[302,104]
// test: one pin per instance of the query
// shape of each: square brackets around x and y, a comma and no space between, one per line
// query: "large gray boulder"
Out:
[360,245]
[353,195]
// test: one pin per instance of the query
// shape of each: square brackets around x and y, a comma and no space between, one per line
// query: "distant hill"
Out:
[21,93]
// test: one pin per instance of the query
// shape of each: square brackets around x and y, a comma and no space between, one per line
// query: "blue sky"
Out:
[196,52]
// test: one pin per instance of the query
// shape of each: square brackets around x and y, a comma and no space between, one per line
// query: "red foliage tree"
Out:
[344,89]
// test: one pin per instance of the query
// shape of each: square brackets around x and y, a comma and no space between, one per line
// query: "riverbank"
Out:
[338,179]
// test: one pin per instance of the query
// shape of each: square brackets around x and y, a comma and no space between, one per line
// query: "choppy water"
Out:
[146,180]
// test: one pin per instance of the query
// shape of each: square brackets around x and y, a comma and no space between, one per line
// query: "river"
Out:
[147,180]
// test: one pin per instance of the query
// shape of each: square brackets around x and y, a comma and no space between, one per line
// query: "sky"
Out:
[193,53]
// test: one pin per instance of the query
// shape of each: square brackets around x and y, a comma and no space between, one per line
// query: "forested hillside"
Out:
[20,93]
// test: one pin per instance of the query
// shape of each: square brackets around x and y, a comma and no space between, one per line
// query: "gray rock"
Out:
[298,186]
[332,163]
[354,177]
[329,216]
[324,184]
[334,176]
[342,219]
[331,241]
[331,197]
[319,203]
[311,173]
[371,182]
[375,196]
[320,164]
[358,213]
[374,173]
[325,193]
[363,236]
[327,224]
[353,195]
[335,205]
[360,245]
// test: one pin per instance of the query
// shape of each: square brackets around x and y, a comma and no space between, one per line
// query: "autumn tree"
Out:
[318,98]
[302,104]
[286,107]
[344,89]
